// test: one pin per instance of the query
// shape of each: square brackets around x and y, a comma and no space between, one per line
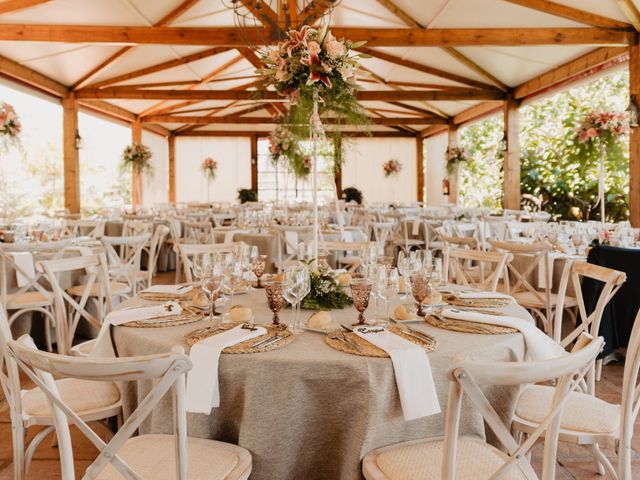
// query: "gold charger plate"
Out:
[346,342]
[465,326]
[476,302]
[185,317]
[196,336]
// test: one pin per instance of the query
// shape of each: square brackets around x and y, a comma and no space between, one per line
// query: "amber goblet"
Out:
[275,298]
[360,293]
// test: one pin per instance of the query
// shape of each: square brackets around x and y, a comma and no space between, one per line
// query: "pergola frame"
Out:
[617,41]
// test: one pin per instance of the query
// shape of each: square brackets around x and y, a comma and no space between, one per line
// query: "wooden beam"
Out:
[511,168]
[160,66]
[26,75]
[420,168]
[477,111]
[634,140]
[172,169]
[570,13]
[71,157]
[424,68]
[363,95]
[375,37]
[575,67]
[108,109]
[314,11]
[253,138]
[263,12]
[237,119]
[136,178]
[266,133]
[11,6]
[176,12]
[471,65]
[454,178]
[401,14]
[433,130]
[182,83]
[631,12]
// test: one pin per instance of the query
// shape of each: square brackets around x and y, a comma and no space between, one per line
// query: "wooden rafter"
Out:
[570,13]
[476,112]
[263,12]
[401,14]
[631,12]
[178,83]
[375,37]
[253,108]
[97,70]
[471,65]
[10,6]
[265,133]
[314,11]
[205,120]
[28,76]
[252,58]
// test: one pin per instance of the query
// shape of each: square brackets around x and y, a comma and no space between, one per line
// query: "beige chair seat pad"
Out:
[153,457]
[83,396]
[27,299]
[581,413]
[422,460]
[117,288]
[529,299]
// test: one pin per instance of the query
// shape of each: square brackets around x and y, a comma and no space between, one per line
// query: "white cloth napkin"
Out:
[104,347]
[177,290]
[24,260]
[292,240]
[412,369]
[203,391]
[539,345]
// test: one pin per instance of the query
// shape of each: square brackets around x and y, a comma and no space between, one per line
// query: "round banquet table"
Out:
[307,410]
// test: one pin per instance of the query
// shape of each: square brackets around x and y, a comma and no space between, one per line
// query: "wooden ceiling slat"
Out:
[570,13]
[470,64]
[264,133]
[26,75]
[205,120]
[375,37]
[176,12]
[631,12]
[401,14]
[10,6]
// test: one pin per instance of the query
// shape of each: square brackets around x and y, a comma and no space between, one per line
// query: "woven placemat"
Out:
[465,326]
[195,336]
[161,297]
[477,302]
[185,317]
[349,342]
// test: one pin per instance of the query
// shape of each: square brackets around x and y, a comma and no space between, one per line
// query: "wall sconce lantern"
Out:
[79,141]
[632,111]
[445,186]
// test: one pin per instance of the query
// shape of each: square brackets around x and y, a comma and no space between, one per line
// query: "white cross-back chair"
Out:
[86,228]
[454,456]
[131,228]
[156,457]
[381,232]
[124,255]
[91,300]
[288,239]
[346,253]
[198,232]
[187,251]
[402,239]
[29,295]
[475,268]
[92,401]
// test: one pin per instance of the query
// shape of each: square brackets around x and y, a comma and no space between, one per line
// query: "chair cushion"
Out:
[82,396]
[117,288]
[27,299]
[530,299]
[581,412]
[422,460]
[153,457]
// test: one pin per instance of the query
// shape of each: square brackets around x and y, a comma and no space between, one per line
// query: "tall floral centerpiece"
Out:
[209,167]
[602,129]
[316,73]
[391,168]
[10,126]
[137,157]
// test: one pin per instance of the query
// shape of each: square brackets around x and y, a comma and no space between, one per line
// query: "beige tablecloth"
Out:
[307,411]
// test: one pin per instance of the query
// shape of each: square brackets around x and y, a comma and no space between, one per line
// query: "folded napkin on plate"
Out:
[177,290]
[24,261]
[203,392]
[539,345]
[104,347]
[412,369]
[480,295]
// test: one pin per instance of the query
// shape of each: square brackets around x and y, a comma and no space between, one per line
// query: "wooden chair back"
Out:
[470,243]
[630,402]
[198,232]
[468,374]
[136,227]
[157,240]
[70,309]
[86,228]
[187,251]
[124,254]
[169,371]
[475,268]
[381,232]
[288,239]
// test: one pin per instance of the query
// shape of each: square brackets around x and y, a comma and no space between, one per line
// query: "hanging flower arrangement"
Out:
[391,168]
[209,167]
[602,127]
[137,156]
[10,126]
[282,144]
[455,155]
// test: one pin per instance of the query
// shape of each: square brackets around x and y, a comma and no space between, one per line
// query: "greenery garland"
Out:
[326,293]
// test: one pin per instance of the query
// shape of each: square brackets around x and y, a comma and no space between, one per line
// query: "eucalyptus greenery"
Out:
[326,293]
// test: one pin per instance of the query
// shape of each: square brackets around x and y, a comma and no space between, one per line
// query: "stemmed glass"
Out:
[275,298]
[419,289]
[389,288]
[258,267]
[407,266]
[211,284]
[360,292]
[298,285]
[234,279]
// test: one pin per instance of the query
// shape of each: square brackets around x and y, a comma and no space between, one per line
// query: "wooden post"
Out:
[420,196]
[511,194]
[634,138]
[254,161]
[172,168]
[70,153]
[136,178]
[453,178]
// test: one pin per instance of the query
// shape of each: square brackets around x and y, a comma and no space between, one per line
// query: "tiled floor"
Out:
[573,462]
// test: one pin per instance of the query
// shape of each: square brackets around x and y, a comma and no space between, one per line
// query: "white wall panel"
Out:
[155,188]
[436,169]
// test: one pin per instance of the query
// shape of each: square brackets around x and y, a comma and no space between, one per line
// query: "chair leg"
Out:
[34,444]
[598,369]
[18,434]
[597,458]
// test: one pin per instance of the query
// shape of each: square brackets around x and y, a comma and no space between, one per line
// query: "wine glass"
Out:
[298,285]
[275,298]
[258,266]
[419,289]
[360,292]
[389,289]
[407,267]
[201,263]
[211,284]
[234,280]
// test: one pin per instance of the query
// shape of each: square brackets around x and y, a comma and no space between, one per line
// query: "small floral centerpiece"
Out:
[454,156]
[10,126]
[602,127]
[325,293]
[391,168]
[137,157]
[209,167]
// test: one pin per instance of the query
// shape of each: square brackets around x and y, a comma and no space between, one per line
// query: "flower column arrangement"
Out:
[10,129]
[137,157]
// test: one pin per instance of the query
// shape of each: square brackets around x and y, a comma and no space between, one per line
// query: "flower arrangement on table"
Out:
[137,156]
[10,126]
[326,293]
[454,156]
[209,167]
[602,127]
[391,168]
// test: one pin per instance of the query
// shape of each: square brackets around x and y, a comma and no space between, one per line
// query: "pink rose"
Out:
[313,48]
[592,133]
[335,49]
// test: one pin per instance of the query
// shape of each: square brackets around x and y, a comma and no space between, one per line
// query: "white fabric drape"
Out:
[233,155]
[364,158]
[436,169]
[155,188]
